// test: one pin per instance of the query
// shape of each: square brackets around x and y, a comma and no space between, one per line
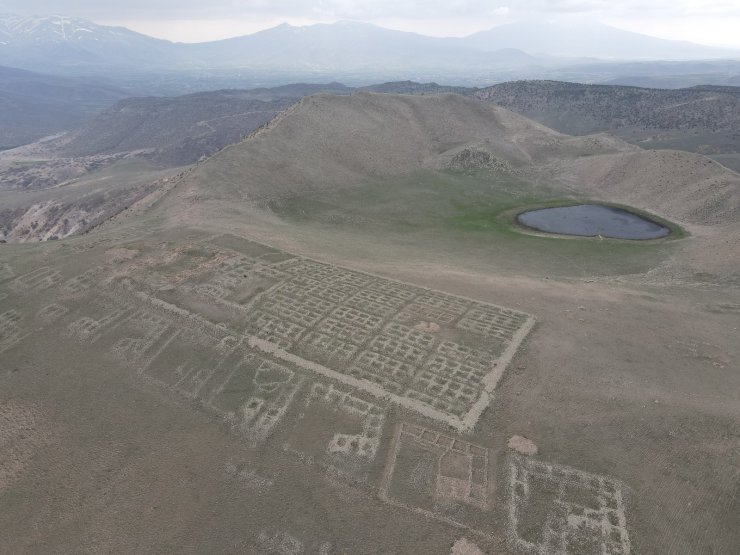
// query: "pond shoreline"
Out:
[593,220]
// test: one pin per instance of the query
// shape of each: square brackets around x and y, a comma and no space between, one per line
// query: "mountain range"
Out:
[575,39]
[64,44]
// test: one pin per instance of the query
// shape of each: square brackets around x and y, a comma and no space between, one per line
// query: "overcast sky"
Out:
[714,22]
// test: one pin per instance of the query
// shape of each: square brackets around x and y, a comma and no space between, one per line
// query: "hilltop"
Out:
[327,141]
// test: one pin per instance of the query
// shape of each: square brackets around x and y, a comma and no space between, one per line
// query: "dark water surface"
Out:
[590,220]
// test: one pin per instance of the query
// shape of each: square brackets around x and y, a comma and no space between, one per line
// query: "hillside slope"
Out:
[686,187]
[698,119]
[174,130]
[578,107]
[329,141]
[182,129]
[34,105]
[64,186]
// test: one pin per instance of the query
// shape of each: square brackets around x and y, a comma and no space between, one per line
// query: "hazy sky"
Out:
[713,22]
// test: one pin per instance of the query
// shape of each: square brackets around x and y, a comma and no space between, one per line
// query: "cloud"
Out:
[320,9]
[634,8]
[361,9]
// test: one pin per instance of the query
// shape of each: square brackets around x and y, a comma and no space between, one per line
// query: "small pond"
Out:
[590,220]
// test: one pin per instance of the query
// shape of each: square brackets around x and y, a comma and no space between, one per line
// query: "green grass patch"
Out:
[502,218]
[462,216]
[30,162]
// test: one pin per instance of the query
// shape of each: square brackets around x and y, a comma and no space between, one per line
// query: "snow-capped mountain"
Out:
[16,29]
[54,42]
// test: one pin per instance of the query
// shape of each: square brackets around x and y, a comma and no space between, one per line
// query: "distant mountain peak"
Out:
[579,37]
[55,28]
